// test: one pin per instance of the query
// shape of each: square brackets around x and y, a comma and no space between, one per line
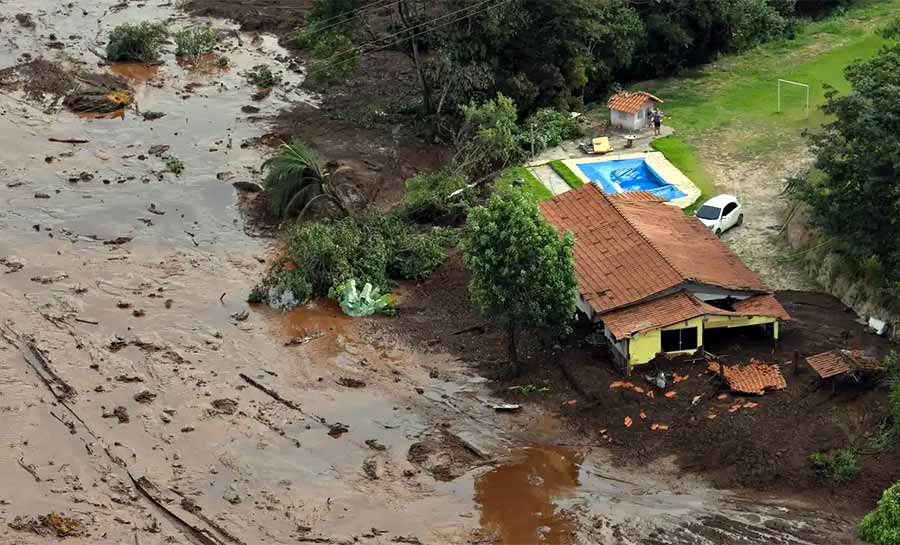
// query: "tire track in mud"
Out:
[53,382]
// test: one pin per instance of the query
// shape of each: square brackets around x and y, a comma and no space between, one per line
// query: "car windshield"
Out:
[707,212]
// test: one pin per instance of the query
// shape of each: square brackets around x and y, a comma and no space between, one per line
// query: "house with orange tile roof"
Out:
[654,278]
[631,109]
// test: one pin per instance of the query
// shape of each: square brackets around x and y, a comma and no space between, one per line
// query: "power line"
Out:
[377,4]
[360,50]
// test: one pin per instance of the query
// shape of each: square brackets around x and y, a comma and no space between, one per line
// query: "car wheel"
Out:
[740,219]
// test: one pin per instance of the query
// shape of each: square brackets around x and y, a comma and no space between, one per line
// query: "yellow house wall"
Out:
[645,346]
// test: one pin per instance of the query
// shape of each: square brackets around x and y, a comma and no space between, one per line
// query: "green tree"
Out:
[521,270]
[489,135]
[857,201]
[882,525]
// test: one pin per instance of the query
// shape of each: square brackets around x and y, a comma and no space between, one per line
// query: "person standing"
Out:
[657,121]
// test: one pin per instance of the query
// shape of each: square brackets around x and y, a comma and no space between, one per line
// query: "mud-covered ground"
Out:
[143,401]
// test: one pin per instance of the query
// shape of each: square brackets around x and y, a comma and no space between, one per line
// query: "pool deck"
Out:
[655,160]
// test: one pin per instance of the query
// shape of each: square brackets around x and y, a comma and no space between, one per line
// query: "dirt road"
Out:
[143,401]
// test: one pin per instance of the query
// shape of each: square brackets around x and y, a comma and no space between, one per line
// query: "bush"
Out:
[333,51]
[435,197]
[882,525]
[489,135]
[139,42]
[325,256]
[173,164]
[263,77]
[195,41]
[835,468]
[548,128]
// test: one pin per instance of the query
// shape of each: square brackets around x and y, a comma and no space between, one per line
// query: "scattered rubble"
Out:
[753,378]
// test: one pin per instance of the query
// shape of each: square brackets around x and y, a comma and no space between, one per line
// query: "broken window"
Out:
[674,340]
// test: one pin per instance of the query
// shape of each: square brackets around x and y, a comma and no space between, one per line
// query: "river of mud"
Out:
[143,401]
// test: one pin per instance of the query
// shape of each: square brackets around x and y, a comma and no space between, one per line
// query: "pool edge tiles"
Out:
[657,162]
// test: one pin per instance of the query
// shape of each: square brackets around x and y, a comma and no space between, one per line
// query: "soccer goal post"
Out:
[788,82]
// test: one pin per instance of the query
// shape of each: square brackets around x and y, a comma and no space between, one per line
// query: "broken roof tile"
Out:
[753,378]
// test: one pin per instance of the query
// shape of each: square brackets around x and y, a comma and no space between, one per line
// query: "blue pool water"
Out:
[623,175]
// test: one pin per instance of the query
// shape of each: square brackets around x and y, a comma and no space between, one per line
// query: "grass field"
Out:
[566,174]
[535,189]
[732,102]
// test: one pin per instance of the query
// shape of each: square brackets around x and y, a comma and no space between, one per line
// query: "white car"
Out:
[721,213]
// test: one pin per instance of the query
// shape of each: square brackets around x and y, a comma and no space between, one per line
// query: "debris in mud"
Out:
[240,316]
[152,116]
[145,396]
[138,313]
[119,412]
[370,468]
[49,278]
[375,445]
[249,187]
[248,109]
[337,429]
[298,341]
[25,20]
[225,406]
[38,79]
[154,210]
[231,495]
[49,525]
[158,150]
[123,304]
[189,505]
[118,241]
[187,429]
[444,456]
[99,94]
[41,195]
[12,263]
[351,382]
[754,378]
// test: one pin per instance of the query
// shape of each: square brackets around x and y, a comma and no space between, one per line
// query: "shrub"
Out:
[334,52]
[835,468]
[548,128]
[138,42]
[173,164]
[195,41]
[263,77]
[437,196]
[327,255]
[489,135]
[882,525]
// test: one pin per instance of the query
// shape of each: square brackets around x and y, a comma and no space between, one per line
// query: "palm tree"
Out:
[296,180]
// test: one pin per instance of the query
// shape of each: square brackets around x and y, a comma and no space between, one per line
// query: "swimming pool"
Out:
[624,175]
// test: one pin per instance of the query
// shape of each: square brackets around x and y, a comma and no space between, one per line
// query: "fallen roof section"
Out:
[840,362]
[753,378]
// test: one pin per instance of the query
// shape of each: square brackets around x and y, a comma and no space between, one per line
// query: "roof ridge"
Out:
[649,242]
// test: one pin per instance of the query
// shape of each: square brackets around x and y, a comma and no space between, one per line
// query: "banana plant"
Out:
[365,302]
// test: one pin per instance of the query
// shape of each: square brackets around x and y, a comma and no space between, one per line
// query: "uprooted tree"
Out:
[522,272]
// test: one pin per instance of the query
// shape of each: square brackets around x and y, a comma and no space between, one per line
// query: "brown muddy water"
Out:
[137,398]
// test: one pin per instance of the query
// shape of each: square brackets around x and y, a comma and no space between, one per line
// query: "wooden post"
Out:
[796,362]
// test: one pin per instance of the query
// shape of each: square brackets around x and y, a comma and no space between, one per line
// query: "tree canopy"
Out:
[857,201]
[521,270]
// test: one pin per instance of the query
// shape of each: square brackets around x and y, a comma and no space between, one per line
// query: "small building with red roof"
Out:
[632,110]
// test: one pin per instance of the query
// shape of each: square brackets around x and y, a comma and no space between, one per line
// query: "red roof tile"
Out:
[627,251]
[630,102]
[661,312]
[754,378]
[838,362]
[761,305]
[689,246]
[614,263]
[636,196]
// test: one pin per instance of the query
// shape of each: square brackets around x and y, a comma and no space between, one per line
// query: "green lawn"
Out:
[731,103]
[566,174]
[535,189]
[682,156]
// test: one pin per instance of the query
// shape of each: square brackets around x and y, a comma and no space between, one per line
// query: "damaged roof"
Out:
[682,306]
[630,102]
[838,362]
[629,250]
[753,378]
